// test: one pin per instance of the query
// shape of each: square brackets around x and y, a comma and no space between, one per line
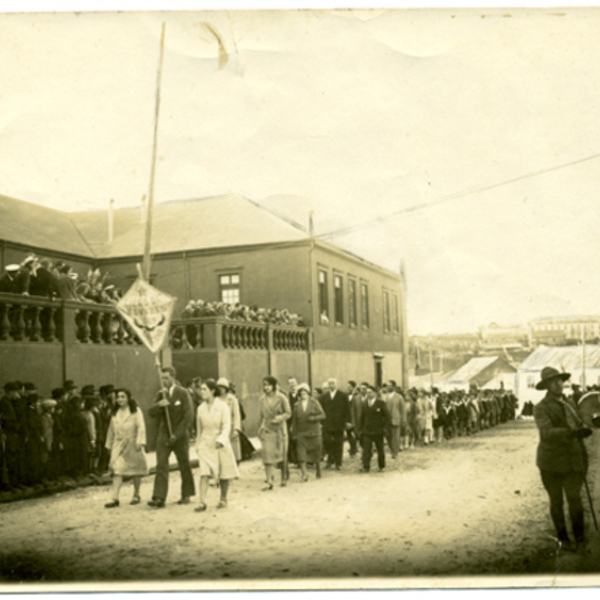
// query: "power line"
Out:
[384,218]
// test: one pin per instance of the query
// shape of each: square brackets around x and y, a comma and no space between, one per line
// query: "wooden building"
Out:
[232,249]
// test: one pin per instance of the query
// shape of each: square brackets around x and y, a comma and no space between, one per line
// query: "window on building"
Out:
[229,287]
[364,304]
[530,381]
[386,312]
[323,298]
[352,316]
[338,299]
[395,313]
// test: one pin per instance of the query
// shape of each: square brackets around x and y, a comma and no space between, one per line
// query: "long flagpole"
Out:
[148,237]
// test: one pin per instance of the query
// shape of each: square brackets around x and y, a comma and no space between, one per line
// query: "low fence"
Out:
[220,333]
[31,319]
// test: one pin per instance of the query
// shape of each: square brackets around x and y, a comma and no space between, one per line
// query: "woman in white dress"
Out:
[126,440]
[215,455]
[229,398]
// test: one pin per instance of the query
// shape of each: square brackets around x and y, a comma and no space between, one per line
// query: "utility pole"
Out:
[583,350]
[430,366]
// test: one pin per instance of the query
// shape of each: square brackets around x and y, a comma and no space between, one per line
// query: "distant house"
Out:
[560,331]
[568,359]
[495,336]
[483,372]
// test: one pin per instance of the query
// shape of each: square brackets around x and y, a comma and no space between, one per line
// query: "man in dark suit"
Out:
[293,398]
[356,408]
[375,421]
[393,401]
[352,435]
[337,420]
[561,455]
[177,402]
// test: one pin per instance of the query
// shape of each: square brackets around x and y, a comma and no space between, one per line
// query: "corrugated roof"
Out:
[40,227]
[562,358]
[186,225]
[472,368]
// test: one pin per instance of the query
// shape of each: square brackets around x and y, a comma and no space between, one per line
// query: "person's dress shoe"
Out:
[184,500]
[112,504]
[568,546]
[156,503]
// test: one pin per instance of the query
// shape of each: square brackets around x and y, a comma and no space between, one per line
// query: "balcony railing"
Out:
[40,320]
[219,333]
[35,319]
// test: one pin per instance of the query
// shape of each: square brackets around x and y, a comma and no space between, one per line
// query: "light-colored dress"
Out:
[236,425]
[425,413]
[213,424]
[126,430]
[274,412]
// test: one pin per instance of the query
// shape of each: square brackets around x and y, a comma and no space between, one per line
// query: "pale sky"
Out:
[356,115]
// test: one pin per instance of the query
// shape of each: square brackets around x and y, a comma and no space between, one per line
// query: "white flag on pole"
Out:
[148,311]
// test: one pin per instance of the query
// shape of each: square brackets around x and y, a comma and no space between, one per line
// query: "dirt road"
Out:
[472,506]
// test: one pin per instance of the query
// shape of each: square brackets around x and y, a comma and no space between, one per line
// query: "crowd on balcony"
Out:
[241,312]
[44,278]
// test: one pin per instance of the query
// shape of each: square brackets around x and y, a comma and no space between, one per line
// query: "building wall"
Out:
[526,378]
[48,365]
[359,366]
[271,277]
[246,369]
[371,338]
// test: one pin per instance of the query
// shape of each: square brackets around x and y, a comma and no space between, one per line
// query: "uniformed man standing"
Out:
[561,455]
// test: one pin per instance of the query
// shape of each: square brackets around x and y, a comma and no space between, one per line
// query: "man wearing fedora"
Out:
[561,455]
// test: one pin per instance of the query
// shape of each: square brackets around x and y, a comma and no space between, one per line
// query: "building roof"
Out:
[471,369]
[566,319]
[40,227]
[177,226]
[186,225]
[563,358]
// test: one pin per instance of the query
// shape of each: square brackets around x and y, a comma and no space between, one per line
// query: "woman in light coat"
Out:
[126,440]
[215,455]
[274,412]
[306,430]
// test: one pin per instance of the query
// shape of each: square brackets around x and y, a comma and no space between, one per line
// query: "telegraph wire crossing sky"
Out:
[459,140]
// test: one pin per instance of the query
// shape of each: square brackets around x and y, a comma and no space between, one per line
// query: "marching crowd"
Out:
[305,427]
[81,435]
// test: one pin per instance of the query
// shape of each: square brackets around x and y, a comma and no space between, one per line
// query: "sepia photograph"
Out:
[299,299]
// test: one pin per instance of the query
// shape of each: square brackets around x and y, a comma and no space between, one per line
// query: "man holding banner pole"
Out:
[173,406]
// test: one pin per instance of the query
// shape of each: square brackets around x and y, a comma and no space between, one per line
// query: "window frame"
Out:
[230,286]
[338,299]
[323,294]
[365,316]
[387,315]
[395,308]
[352,302]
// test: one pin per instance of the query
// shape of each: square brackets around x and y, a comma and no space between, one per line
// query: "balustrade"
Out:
[31,319]
[210,332]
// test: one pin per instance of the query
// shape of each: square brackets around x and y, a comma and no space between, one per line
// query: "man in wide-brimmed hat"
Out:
[561,455]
